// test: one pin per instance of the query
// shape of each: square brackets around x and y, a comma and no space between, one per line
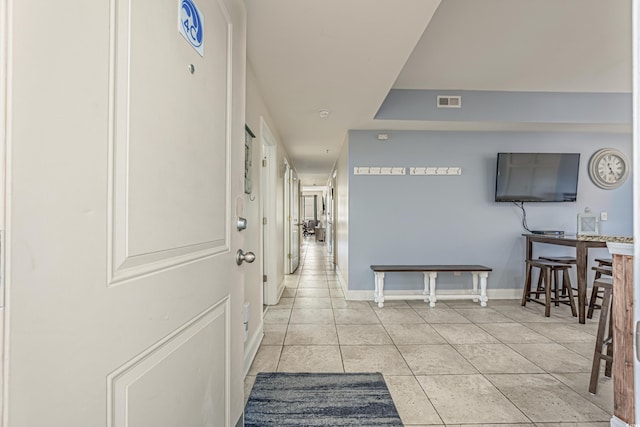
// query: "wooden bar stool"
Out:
[549,282]
[571,260]
[601,341]
[560,259]
[601,270]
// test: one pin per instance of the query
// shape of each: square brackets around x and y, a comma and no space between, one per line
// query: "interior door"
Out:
[288,218]
[295,221]
[268,192]
[125,173]
[329,217]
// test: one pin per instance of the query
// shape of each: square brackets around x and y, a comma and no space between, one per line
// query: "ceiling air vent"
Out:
[449,101]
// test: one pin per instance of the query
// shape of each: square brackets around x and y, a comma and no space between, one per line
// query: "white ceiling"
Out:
[345,55]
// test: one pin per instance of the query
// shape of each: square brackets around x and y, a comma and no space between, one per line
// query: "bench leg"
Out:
[432,288]
[378,293]
[425,292]
[483,288]
[375,286]
[475,285]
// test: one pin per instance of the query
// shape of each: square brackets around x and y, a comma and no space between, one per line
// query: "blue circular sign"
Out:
[191,22]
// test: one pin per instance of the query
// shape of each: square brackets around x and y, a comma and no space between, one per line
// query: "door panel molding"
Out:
[141,247]
[153,369]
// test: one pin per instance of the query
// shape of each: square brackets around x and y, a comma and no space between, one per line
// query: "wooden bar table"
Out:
[582,245]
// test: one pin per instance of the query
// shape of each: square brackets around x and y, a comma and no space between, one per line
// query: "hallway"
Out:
[455,364]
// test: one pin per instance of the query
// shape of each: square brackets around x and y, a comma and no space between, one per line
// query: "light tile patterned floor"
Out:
[455,364]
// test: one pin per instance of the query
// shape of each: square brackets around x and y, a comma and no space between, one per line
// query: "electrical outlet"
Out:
[603,216]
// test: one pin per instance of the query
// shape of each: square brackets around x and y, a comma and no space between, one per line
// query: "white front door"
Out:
[124,157]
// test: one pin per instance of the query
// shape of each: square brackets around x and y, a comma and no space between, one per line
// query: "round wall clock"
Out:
[608,168]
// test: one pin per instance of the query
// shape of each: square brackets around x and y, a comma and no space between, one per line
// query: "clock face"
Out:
[611,168]
[608,168]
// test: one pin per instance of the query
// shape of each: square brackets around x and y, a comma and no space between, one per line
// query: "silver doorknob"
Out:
[241,257]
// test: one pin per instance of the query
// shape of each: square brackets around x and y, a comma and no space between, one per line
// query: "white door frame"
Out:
[4,85]
[294,245]
[330,216]
[272,288]
[334,204]
[636,195]
[287,215]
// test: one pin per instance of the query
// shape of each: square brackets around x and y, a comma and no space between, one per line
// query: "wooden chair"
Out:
[601,270]
[601,341]
[548,283]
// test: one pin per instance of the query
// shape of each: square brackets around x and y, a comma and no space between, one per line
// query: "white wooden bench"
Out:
[430,274]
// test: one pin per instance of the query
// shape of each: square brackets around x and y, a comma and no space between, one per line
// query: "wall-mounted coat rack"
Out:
[436,171]
[378,170]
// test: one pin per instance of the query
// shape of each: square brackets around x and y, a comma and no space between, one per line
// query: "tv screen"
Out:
[537,177]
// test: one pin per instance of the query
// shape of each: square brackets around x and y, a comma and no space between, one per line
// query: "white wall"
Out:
[257,109]
[341,215]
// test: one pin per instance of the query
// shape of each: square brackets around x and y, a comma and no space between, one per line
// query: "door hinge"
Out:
[264,163]
[264,221]
[289,256]
[264,278]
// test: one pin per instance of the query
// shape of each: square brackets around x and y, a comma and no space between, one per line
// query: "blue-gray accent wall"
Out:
[520,107]
[454,219]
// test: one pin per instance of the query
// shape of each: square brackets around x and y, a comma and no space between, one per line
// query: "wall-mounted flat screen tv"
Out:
[537,177]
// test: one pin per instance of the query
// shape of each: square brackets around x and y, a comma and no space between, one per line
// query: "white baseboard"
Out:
[281,287]
[278,295]
[344,283]
[515,293]
[617,422]
[251,348]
